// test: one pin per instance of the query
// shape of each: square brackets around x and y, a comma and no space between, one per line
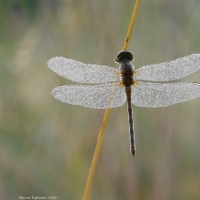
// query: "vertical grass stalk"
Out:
[106,115]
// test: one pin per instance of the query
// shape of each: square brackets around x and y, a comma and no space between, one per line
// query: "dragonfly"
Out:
[103,87]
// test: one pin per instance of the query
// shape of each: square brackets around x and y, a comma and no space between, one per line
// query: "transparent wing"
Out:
[83,73]
[160,95]
[169,71]
[91,96]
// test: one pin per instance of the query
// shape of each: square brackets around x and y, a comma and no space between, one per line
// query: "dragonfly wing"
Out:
[168,71]
[92,96]
[83,73]
[160,95]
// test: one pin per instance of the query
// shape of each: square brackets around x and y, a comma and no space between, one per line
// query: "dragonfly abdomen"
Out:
[130,120]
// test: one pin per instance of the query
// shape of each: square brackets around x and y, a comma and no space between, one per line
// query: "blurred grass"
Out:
[46,146]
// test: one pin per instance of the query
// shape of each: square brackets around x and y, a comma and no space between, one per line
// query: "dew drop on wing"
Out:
[169,71]
[154,95]
[92,96]
[83,73]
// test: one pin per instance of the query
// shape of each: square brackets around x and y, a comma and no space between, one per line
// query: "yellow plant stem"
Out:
[106,115]
[96,155]
[132,22]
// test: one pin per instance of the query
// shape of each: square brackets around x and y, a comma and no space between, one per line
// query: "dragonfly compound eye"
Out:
[124,55]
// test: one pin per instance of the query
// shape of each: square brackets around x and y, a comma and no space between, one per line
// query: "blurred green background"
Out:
[46,146]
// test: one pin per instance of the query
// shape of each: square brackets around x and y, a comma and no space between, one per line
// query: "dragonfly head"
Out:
[123,56]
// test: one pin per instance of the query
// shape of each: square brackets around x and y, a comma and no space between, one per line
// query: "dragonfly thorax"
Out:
[126,72]
[124,58]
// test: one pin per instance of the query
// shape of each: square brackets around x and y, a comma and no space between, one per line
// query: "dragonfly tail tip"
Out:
[133,151]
